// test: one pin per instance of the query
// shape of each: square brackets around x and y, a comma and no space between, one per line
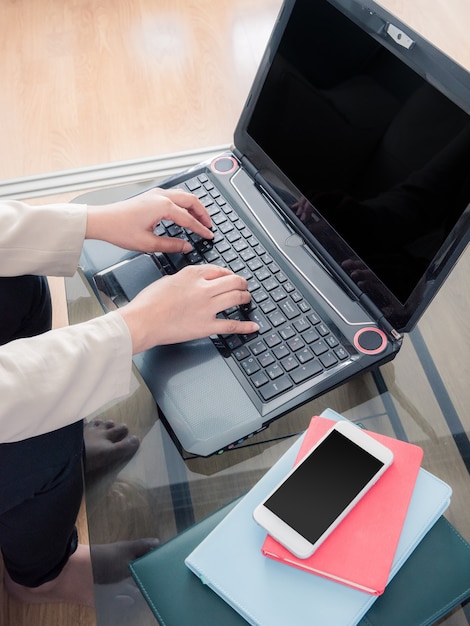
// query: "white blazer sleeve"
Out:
[54,379]
[39,240]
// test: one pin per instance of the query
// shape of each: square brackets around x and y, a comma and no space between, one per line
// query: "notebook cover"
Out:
[267,593]
[434,580]
[165,581]
[360,551]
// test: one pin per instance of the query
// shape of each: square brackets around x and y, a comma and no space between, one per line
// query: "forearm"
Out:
[55,379]
[41,240]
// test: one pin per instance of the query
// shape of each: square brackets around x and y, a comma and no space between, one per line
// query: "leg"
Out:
[42,486]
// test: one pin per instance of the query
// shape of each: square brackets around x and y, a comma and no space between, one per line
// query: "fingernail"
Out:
[187,247]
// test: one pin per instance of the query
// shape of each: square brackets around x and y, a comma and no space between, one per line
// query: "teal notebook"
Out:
[434,580]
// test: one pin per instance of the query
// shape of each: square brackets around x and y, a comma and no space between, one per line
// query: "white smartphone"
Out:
[320,491]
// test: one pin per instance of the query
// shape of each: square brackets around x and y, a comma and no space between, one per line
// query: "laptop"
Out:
[344,202]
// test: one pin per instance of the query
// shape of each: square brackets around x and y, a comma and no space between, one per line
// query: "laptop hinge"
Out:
[247,165]
[377,314]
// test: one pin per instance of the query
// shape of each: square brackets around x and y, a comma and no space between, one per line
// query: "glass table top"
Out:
[418,397]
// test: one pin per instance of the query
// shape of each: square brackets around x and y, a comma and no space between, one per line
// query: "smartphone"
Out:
[323,488]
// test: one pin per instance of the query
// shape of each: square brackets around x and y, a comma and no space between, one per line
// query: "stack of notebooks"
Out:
[360,574]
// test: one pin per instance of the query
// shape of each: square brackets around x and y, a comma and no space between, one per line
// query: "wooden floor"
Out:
[90,82]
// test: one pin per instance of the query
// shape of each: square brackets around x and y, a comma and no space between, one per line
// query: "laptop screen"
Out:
[368,158]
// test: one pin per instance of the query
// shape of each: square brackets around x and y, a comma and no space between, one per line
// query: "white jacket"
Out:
[54,379]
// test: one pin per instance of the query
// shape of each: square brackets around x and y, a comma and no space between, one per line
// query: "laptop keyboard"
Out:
[293,344]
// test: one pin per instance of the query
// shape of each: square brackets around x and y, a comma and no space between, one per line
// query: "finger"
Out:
[235,327]
[211,271]
[190,203]
[186,220]
[230,299]
[227,279]
[170,244]
[227,284]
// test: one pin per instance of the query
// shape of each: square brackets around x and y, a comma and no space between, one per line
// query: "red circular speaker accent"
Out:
[224,165]
[370,340]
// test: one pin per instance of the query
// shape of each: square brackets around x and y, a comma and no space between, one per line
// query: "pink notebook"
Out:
[360,551]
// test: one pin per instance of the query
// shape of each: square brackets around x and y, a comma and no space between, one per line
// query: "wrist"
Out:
[96,227]
[135,328]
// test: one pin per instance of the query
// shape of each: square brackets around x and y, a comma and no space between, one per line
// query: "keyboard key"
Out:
[263,274]
[289,363]
[289,309]
[253,285]
[237,266]
[259,379]
[233,236]
[250,365]
[331,341]
[230,256]
[255,264]
[268,306]
[240,245]
[211,256]
[233,342]
[305,355]
[194,257]
[241,353]
[278,294]
[323,329]
[226,227]
[310,335]
[304,372]
[341,353]
[193,184]
[272,340]
[219,218]
[258,317]
[247,254]
[276,318]
[287,332]
[223,246]
[329,359]
[257,347]
[270,283]
[266,359]
[320,347]
[273,389]
[301,324]
[281,351]
[259,296]
[274,371]
[245,272]
[313,317]
[295,343]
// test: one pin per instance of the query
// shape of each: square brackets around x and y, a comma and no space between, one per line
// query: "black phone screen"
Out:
[323,486]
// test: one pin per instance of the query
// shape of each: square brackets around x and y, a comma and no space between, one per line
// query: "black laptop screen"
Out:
[358,144]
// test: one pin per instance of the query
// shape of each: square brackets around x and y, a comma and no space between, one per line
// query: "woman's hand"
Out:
[130,223]
[185,305]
